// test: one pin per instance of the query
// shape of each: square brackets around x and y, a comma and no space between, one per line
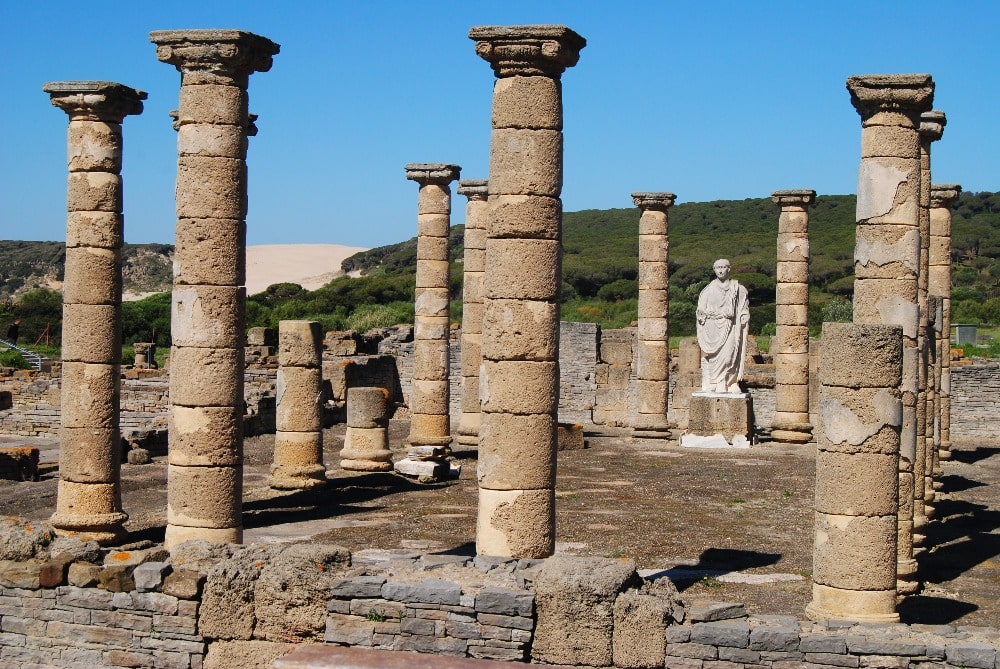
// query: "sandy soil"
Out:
[309,265]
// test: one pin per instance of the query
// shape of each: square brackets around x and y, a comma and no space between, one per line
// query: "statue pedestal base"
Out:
[719,420]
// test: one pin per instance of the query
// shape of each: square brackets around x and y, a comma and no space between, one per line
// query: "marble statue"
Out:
[723,318]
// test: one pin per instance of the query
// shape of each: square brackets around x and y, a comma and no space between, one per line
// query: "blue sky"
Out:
[710,100]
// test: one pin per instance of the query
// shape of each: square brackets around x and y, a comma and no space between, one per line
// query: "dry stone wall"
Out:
[212,605]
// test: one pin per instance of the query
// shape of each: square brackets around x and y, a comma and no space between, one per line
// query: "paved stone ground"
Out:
[730,525]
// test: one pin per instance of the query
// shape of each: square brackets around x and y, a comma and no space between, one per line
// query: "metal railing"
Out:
[34,359]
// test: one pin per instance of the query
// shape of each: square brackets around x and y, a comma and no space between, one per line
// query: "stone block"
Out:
[504,601]
[519,387]
[523,216]
[519,523]
[712,414]
[517,451]
[521,329]
[210,252]
[206,376]
[638,638]
[91,333]
[524,161]
[427,591]
[204,435]
[215,104]
[357,587]
[245,654]
[971,654]
[207,316]
[732,633]
[527,102]
[101,229]
[526,269]
[701,610]
[574,621]
[204,497]
[94,191]
[211,187]
[149,576]
[184,584]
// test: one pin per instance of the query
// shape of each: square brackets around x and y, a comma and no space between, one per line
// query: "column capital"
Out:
[432,173]
[540,50]
[944,195]
[932,125]
[474,189]
[653,201]
[802,197]
[95,100]
[215,56]
[908,93]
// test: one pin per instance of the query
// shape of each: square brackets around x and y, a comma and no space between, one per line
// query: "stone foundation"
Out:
[244,606]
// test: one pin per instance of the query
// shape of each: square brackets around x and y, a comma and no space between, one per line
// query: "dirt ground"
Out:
[732,525]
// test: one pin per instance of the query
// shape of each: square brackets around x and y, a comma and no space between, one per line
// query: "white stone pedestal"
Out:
[719,420]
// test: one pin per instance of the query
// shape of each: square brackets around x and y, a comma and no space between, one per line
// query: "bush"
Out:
[838,310]
[371,316]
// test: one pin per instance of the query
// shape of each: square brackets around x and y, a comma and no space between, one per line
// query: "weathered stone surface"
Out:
[245,654]
[505,602]
[640,622]
[23,540]
[292,591]
[184,584]
[427,591]
[574,602]
[707,611]
[227,610]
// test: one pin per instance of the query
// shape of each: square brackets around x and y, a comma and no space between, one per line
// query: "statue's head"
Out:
[721,269]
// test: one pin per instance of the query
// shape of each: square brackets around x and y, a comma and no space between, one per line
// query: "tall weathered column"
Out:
[298,438]
[430,421]
[88,501]
[887,250]
[931,128]
[790,346]
[854,554]
[205,462]
[943,196]
[477,190]
[519,385]
[652,370]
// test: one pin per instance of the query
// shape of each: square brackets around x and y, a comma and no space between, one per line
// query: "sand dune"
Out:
[309,265]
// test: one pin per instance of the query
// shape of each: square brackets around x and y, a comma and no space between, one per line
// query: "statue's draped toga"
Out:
[723,318]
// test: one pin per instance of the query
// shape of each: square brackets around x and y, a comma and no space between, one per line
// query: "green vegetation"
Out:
[600,271]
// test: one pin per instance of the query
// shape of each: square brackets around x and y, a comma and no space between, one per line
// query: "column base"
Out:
[857,605]
[467,439]
[178,534]
[906,577]
[791,436]
[104,528]
[300,477]
[366,465]
[651,426]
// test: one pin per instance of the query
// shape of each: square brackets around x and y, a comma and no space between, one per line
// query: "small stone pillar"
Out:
[366,442]
[205,462]
[854,556]
[887,250]
[298,437]
[688,380]
[790,346]
[430,422]
[477,190]
[931,129]
[519,383]
[145,355]
[88,502]
[653,344]
[943,196]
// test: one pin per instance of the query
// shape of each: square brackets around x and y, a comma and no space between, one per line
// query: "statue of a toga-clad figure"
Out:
[723,317]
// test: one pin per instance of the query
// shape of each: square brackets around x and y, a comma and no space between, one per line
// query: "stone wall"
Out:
[223,607]
[975,400]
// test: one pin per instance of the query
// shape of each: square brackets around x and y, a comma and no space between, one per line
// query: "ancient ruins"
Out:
[874,398]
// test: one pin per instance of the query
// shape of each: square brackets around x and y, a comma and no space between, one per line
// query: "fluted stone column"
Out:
[298,437]
[854,554]
[88,502]
[790,345]
[477,190]
[205,462]
[519,383]
[943,196]
[430,420]
[931,128]
[652,370]
[366,441]
[887,250]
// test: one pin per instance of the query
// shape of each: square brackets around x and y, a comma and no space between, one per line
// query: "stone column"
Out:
[652,371]
[854,555]
[943,196]
[205,462]
[931,128]
[430,422]
[887,250]
[88,502]
[688,380]
[298,437]
[366,442]
[519,383]
[790,345]
[472,306]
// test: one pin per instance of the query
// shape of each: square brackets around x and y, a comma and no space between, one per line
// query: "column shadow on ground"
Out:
[715,562]
[929,610]
[974,455]
[960,538]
